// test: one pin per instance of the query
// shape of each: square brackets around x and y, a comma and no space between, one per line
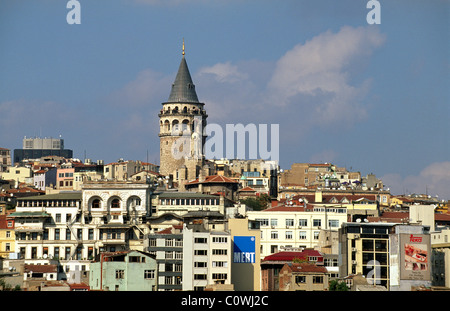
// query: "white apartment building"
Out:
[295,226]
[206,258]
[109,216]
[180,203]
[51,227]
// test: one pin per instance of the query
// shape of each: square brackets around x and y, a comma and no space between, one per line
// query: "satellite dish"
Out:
[45,256]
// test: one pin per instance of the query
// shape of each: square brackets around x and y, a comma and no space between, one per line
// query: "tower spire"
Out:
[183,46]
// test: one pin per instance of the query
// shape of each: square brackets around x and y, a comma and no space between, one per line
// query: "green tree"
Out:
[258,203]
[336,285]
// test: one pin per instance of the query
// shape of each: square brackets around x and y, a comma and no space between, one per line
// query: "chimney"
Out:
[318,196]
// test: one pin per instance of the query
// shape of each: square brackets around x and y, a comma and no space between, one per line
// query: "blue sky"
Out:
[372,98]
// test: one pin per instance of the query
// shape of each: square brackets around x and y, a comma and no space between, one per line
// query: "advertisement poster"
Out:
[244,249]
[415,257]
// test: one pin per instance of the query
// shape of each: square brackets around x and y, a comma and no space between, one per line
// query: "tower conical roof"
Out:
[183,89]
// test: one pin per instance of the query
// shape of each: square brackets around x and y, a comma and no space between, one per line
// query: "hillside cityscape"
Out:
[191,223]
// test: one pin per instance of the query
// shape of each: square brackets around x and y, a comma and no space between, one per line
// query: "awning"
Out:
[30,214]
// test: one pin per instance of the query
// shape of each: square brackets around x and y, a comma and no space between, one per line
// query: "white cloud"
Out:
[224,73]
[318,73]
[434,179]
[148,86]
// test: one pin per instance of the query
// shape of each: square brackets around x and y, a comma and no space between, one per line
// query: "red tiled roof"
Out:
[284,208]
[213,179]
[306,267]
[442,217]
[249,189]
[289,256]
[76,286]
[41,268]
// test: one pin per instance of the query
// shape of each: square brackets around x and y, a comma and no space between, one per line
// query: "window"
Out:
[303,222]
[220,239]
[169,242]
[219,251]
[149,274]
[317,279]
[273,248]
[317,222]
[96,203]
[200,264]
[115,203]
[200,277]
[274,235]
[302,235]
[56,234]
[220,264]
[264,222]
[58,218]
[201,240]
[289,222]
[300,279]
[274,222]
[120,274]
[219,276]
[91,234]
[67,234]
[135,259]
[316,235]
[201,252]
[168,280]
[168,255]
[168,267]
[333,223]
[289,235]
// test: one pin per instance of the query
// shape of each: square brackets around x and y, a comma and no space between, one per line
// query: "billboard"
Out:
[244,249]
[415,257]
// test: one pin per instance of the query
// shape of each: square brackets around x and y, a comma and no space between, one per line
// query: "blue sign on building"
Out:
[244,249]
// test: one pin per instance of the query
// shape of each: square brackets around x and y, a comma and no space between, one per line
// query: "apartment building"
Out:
[5,159]
[246,264]
[36,147]
[206,259]
[124,271]
[303,277]
[180,203]
[50,226]
[167,247]
[296,225]
[392,255]
[18,174]
[123,170]
[440,243]
[7,236]
[119,210]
